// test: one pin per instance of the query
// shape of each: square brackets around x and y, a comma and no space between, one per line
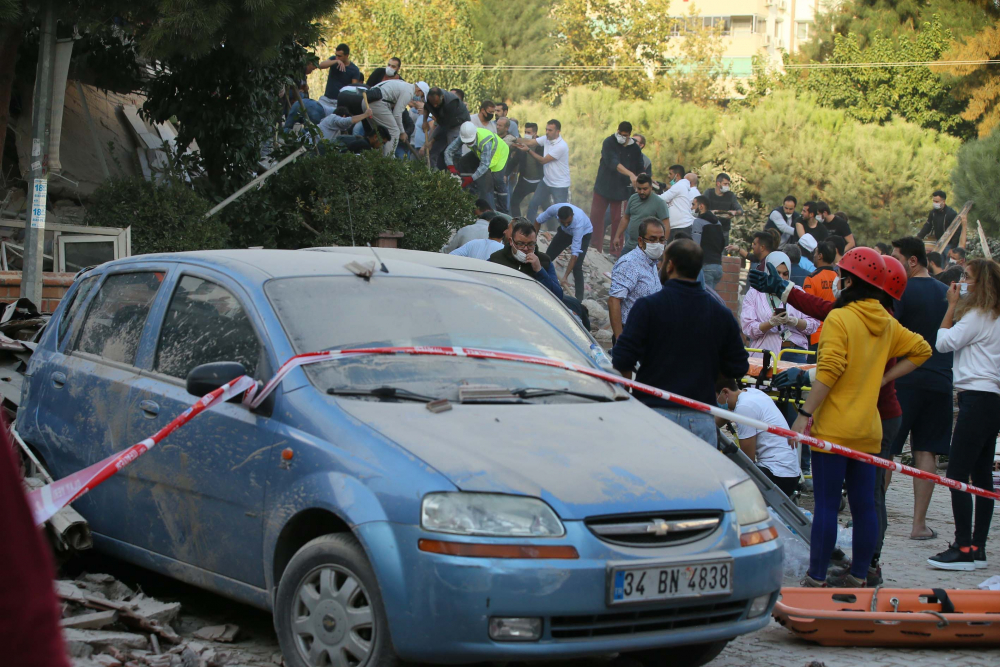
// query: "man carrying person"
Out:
[448,112]
[342,73]
[723,203]
[678,199]
[621,163]
[925,395]
[388,111]
[522,255]
[640,206]
[939,219]
[836,225]
[707,232]
[636,274]
[554,159]
[683,339]
[487,156]
[575,232]
[502,110]
[529,172]
[484,248]
[810,223]
[784,219]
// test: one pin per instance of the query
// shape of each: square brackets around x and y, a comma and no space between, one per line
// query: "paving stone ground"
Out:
[904,566]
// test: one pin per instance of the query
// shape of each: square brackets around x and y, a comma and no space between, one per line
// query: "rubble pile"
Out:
[107,624]
[597,283]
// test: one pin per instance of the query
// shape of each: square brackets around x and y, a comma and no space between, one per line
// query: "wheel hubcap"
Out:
[333,621]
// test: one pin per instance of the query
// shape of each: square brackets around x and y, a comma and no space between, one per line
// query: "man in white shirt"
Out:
[483,248]
[388,111]
[679,198]
[554,187]
[774,455]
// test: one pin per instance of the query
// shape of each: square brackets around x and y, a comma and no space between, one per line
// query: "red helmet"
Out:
[895,277]
[866,264]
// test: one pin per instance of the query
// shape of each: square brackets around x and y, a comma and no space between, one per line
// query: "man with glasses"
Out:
[635,274]
[522,255]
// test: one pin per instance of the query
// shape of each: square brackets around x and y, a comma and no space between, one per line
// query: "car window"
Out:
[76,302]
[204,323]
[537,297]
[117,314]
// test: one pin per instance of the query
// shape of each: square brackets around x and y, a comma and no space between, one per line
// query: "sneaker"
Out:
[809,582]
[847,580]
[955,558]
[979,557]
[839,559]
[874,577]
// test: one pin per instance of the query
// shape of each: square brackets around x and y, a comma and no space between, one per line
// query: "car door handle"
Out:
[150,408]
[58,379]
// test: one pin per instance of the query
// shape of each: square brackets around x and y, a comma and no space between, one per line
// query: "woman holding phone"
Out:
[768,324]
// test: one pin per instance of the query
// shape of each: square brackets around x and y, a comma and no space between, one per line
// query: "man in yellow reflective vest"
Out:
[486,159]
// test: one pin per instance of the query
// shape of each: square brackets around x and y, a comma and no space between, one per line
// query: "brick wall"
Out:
[54,286]
[729,287]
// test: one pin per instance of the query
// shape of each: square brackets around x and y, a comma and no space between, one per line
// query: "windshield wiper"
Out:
[385,393]
[537,392]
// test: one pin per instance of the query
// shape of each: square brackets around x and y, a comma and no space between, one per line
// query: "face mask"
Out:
[390,71]
[938,206]
[724,189]
[653,250]
[673,181]
[519,255]
[836,288]
[621,140]
[963,288]
[489,117]
[722,404]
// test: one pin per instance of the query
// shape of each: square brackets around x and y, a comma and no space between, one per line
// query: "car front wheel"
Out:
[329,610]
[692,655]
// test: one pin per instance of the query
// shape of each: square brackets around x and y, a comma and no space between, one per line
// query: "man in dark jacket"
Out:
[938,220]
[621,163]
[449,113]
[683,339]
[523,255]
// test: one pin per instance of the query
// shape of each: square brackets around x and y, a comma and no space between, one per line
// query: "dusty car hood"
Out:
[584,459]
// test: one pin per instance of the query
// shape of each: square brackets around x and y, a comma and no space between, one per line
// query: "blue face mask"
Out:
[724,406]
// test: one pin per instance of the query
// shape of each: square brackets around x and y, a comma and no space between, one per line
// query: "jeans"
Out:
[830,472]
[560,242]
[700,423]
[543,195]
[521,190]
[598,206]
[971,459]
[890,427]
[713,274]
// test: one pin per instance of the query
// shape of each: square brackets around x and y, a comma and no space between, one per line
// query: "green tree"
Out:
[698,74]
[980,84]
[516,32]
[975,177]
[875,94]
[434,40]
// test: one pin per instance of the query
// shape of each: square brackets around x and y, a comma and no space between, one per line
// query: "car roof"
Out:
[261,265]
[438,260]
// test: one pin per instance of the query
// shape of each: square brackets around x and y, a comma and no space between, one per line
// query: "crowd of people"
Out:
[890,332]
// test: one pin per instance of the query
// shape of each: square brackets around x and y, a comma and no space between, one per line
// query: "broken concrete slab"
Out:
[106,585]
[100,639]
[106,660]
[92,621]
[218,633]
[156,610]
[68,590]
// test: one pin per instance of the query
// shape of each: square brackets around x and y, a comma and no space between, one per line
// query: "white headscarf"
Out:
[777,258]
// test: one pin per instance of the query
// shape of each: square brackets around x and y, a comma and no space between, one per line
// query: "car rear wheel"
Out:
[692,655]
[329,611]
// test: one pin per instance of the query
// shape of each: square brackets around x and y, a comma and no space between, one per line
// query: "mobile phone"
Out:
[780,311]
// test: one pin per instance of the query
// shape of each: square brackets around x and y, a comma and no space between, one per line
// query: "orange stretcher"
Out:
[891,616]
[757,363]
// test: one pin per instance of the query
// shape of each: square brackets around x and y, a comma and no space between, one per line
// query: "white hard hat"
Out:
[467,132]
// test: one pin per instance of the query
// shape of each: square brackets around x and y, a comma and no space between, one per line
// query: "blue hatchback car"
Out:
[546,514]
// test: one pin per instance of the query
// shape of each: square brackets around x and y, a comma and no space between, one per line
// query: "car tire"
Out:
[329,603]
[692,655]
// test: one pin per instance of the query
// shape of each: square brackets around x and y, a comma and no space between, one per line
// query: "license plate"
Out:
[668,582]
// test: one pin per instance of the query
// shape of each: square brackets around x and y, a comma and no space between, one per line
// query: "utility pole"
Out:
[41,114]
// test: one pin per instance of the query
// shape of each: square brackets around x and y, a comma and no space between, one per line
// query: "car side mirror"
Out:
[207,378]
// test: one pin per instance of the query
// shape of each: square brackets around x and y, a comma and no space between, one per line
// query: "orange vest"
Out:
[820,284]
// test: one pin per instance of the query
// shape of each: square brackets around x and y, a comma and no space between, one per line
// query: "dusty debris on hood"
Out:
[218,633]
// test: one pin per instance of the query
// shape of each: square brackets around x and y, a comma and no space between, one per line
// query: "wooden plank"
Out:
[953,227]
[982,240]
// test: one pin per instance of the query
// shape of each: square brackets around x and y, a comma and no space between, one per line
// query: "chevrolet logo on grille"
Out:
[658,527]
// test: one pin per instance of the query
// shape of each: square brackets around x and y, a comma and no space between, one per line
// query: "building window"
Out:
[742,25]
[802,31]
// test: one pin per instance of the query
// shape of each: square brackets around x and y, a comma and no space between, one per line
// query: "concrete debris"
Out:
[597,283]
[92,621]
[105,585]
[106,660]
[218,633]
[100,639]
[156,610]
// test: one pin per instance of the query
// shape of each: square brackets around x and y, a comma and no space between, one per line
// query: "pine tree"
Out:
[975,178]
[980,84]
[517,32]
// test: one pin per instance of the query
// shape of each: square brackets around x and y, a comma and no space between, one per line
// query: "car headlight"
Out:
[489,514]
[748,503]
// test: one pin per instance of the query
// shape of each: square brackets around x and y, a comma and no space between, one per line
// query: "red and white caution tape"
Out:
[49,499]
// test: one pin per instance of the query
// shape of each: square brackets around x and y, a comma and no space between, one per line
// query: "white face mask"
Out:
[938,205]
[836,288]
[621,140]
[519,255]
[390,71]
[724,189]
[963,289]
[653,250]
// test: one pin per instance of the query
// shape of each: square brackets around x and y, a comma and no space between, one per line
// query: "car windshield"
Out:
[337,312]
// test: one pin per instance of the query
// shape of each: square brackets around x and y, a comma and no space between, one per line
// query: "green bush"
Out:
[164,217]
[346,199]
[976,177]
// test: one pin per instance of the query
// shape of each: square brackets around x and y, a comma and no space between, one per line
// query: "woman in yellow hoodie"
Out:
[859,337]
